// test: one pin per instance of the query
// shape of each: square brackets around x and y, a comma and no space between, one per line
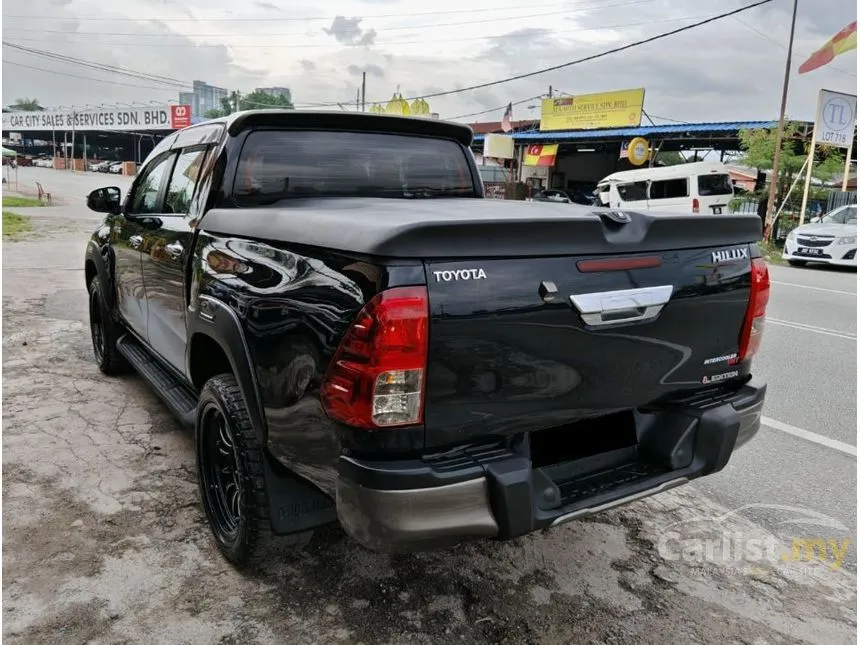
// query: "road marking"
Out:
[814,437]
[812,328]
[804,286]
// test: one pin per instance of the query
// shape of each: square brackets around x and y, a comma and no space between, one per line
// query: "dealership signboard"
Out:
[132,119]
[619,109]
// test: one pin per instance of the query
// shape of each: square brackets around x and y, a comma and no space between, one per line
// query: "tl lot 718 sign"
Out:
[166,117]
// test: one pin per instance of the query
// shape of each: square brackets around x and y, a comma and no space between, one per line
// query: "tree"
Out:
[262,100]
[759,146]
[26,105]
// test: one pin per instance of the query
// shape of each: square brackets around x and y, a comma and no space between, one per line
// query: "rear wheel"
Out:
[230,471]
[797,263]
[104,332]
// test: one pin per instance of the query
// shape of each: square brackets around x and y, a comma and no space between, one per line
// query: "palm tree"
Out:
[26,105]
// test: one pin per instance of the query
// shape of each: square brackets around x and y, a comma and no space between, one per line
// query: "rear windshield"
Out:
[277,165]
[715,185]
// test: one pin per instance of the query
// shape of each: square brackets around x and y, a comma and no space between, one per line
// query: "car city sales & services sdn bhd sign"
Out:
[132,119]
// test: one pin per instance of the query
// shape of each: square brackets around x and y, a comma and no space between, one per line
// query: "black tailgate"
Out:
[520,344]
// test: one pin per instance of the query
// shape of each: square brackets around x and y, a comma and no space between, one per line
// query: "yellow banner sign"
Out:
[619,109]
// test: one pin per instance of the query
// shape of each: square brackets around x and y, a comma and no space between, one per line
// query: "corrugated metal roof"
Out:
[641,131]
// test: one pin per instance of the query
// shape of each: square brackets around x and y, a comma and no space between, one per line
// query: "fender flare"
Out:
[217,320]
[94,254]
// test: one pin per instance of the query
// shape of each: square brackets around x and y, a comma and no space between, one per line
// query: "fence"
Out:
[838,198]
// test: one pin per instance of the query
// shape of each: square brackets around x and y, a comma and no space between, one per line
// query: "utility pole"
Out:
[774,175]
[550,91]
[363,90]
[236,101]
[357,100]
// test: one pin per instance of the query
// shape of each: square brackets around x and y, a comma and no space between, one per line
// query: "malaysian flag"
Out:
[506,119]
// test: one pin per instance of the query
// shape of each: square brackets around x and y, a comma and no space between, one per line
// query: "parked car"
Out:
[563,197]
[358,336]
[829,239]
[698,187]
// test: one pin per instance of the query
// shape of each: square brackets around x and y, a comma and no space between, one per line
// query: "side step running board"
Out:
[181,401]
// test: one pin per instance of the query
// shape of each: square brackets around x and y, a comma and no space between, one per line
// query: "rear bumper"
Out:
[492,492]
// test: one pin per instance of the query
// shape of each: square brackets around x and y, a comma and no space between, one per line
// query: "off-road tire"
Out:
[253,541]
[107,356]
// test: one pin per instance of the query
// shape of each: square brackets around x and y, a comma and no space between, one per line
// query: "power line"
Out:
[258,45]
[99,66]
[381,29]
[782,46]
[602,54]
[494,9]
[495,109]
[88,78]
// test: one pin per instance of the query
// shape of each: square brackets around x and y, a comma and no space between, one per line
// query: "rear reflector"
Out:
[376,378]
[695,205]
[618,264]
[753,328]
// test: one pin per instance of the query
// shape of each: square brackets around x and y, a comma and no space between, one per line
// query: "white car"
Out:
[829,239]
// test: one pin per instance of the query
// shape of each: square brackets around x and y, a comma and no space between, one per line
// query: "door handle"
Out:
[135,241]
[174,249]
[622,306]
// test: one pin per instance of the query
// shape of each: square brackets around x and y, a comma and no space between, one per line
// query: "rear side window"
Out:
[715,185]
[633,192]
[277,165]
[670,188]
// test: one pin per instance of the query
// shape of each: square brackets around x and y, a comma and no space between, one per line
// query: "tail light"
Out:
[751,333]
[376,378]
[695,205]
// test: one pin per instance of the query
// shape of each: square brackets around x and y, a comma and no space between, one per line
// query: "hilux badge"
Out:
[728,255]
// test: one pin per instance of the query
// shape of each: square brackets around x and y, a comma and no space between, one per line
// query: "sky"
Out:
[728,70]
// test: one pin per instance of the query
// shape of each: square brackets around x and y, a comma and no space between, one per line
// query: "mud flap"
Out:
[295,506]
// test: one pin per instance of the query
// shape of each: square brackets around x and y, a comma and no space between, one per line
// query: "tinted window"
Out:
[670,188]
[715,185]
[279,165]
[145,197]
[182,181]
[633,192]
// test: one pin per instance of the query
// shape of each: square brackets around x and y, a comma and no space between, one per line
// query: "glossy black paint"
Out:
[267,291]
[504,361]
[294,308]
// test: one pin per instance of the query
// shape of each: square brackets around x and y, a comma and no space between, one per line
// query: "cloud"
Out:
[372,70]
[720,72]
[347,31]
[267,5]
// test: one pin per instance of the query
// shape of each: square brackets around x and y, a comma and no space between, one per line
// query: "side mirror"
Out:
[105,200]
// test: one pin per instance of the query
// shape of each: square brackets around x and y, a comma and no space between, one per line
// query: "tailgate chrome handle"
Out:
[621,306]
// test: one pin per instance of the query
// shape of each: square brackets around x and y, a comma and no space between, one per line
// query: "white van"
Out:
[700,187]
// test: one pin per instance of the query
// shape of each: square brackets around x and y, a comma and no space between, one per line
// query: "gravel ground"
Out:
[104,540]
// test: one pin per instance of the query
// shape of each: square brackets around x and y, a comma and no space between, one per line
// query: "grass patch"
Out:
[19,202]
[771,252]
[15,225]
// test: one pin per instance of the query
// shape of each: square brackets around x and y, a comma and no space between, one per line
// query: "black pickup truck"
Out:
[357,335]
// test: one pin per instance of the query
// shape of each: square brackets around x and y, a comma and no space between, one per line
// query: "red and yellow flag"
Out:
[844,41]
[539,155]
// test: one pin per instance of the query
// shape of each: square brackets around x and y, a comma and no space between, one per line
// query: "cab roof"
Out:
[338,120]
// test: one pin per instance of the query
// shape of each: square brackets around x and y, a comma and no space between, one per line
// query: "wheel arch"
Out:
[217,344]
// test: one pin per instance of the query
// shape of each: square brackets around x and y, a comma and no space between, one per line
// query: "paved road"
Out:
[106,540]
[70,188]
[809,359]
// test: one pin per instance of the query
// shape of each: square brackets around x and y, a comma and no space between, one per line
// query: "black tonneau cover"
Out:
[474,227]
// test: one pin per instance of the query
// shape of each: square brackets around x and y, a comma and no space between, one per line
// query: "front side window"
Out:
[182,181]
[276,165]
[145,197]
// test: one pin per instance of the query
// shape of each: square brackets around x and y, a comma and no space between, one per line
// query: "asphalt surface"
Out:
[809,360]
[105,541]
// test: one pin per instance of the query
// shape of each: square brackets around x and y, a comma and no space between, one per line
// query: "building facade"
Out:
[203,97]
